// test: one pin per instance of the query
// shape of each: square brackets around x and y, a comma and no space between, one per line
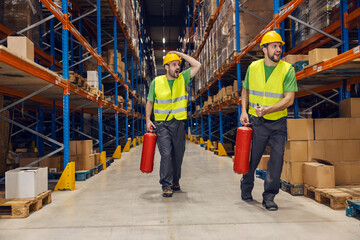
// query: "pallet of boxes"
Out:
[328,164]
[87,161]
[26,187]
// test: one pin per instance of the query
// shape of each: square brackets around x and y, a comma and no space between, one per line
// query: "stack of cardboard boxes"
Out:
[332,146]
[81,152]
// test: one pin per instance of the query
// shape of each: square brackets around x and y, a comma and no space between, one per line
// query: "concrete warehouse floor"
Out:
[123,203]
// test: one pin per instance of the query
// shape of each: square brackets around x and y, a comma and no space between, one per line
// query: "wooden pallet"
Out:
[21,208]
[293,189]
[335,197]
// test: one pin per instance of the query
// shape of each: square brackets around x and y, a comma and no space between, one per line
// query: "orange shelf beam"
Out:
[31,69]
[331,63]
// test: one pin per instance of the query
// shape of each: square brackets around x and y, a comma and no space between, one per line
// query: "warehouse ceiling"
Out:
[164,19]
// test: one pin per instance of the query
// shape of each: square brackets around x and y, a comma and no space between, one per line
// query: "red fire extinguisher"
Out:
[148,152]
[242,151]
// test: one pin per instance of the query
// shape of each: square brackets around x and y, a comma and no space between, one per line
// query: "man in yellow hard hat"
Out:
[168,96]
[268,89]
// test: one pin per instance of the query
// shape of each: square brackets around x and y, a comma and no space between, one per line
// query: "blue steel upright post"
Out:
[132,89]
[209,116]
[116,86]
[238,65]
[296,108]
[345,45]
[80,50]
[126,96]
[98,32]
[41,130]
[66,104]
[202,122]
[53,126]
[52,67]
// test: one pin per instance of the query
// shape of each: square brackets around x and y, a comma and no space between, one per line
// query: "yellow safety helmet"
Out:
[170,57]
[271,37]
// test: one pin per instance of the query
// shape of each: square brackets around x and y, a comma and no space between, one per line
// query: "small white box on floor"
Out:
[26,182]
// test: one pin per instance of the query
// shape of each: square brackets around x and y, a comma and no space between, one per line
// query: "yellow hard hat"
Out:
[170,57]
[271,37]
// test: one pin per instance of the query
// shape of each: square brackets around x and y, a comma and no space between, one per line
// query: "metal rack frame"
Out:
[62,82]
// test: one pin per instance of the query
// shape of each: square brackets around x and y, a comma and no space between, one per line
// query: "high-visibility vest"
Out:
[267,93]
[167,100]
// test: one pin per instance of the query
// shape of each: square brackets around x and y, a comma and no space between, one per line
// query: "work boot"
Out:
[247,197]
[176,186]
[270,205]
[167,192]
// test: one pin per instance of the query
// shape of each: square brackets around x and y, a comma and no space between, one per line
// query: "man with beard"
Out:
[269,89]
[168,96]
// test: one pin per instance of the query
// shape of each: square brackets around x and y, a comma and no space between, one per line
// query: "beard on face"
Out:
[175,73]
[272,57]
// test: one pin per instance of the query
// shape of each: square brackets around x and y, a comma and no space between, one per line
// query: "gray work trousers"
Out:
[274,133]
[171,143]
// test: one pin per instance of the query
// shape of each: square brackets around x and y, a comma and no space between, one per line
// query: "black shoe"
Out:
[247,198]
[270,205]
[175,187]
[167,192]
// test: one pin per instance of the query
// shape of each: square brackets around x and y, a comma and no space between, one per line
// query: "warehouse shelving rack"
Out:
[55,88]
[338,67]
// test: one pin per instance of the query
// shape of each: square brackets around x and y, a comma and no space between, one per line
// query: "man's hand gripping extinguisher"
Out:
[242,151]
[148,150]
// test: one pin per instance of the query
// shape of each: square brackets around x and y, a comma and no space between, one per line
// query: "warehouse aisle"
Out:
[123,203]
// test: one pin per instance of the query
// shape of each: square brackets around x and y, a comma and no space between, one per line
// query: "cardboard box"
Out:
[295,58]
[354,128]
[294,172]
[319,55]
[316,150]
[351,150]
[350,108]
[300,129]
[73,148]
[97,159]
[23,162]
[284,173]
[332,128]
[264,162]
[347,173]
[21,46]
[85,162]
[340,128]
[296,151]
[319,175]
[323,128]
[54,164]
[26,182]
[333,150]
[84,147]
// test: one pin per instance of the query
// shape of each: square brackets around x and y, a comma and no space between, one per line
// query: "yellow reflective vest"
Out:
[267,93]
[167,100]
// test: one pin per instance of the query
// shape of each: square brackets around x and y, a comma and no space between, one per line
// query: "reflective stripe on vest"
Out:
[267,93]
[166,100]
